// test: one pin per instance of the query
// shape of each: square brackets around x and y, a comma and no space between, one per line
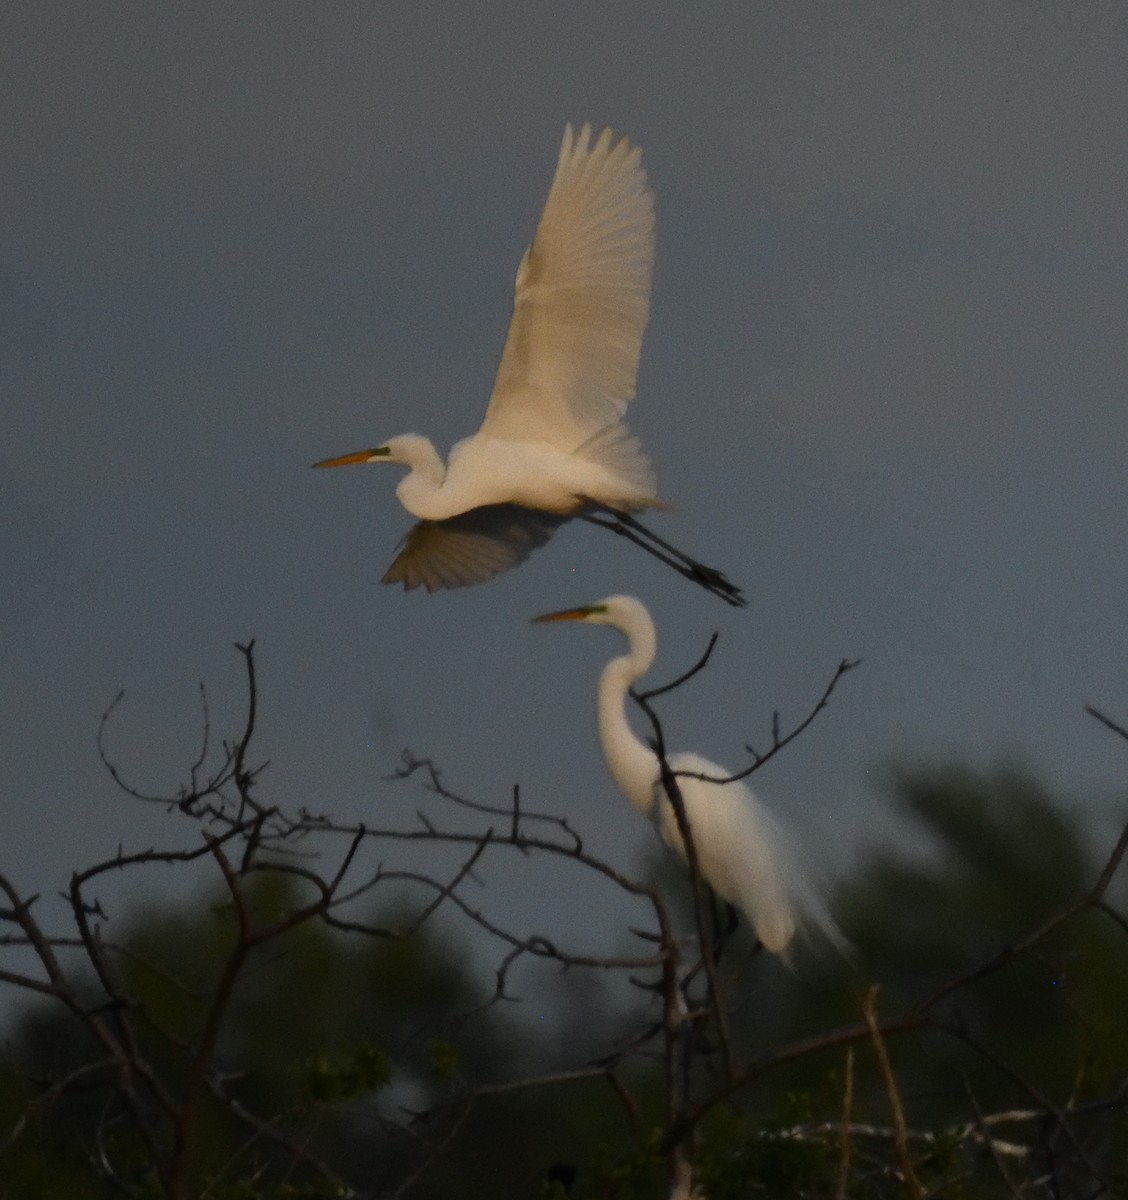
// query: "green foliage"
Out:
[1004,859]
[252,1189]
[738,1157]
[331,1038]
[1003,854]
[999,859]
[315,1031]
[637,1174]
[334,1079]
[444,1060]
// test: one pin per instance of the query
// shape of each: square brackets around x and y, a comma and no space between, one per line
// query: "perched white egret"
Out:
[741,851]
[553,444]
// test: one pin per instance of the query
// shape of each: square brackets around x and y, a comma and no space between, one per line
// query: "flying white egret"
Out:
[741,851]
[553,444]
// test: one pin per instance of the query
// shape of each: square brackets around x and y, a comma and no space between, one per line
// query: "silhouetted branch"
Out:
[434,783]
[165,1082]
[684,677]
[1107,722]
[889,1081]
[780,740]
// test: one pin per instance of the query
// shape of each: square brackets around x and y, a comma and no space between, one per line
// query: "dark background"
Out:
[883,386]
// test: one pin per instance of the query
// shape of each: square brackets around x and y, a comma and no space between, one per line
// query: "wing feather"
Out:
[469,548]
[581,300]
[769,878]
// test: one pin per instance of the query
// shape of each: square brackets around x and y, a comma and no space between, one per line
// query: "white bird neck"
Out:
[633,765]
[418,489]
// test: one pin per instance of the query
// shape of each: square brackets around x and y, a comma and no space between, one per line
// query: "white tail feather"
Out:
[620,453]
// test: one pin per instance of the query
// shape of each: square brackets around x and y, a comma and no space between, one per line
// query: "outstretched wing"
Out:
[581,300]
[470,548]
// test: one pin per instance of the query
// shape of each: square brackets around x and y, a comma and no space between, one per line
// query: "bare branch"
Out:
[780,740]
[844,1135]
[685,676]
[330,867]
[908,1173]
[1107,722]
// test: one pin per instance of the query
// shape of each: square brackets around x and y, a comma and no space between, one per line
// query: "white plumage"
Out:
[742,852]
[552,439]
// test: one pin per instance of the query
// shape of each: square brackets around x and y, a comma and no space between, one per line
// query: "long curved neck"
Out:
[633,765]
[418,490]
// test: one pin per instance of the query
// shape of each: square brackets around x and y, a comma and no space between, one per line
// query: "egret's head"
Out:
[403,449]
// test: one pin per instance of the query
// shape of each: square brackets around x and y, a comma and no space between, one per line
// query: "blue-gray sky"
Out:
[883,385]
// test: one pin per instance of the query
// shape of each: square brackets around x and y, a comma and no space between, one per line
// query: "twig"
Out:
[869,1012]
[990,1143]
[779,741]
[844,1127]
[684,677]
[1107,722]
